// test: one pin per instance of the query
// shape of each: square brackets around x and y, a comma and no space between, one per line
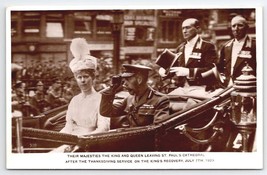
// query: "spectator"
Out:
[54,95]
[38,100]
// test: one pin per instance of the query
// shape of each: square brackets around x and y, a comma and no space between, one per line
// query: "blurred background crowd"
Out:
[40,43]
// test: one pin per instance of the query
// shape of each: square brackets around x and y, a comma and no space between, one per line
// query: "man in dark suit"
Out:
[195,57]
[235,55]
[144,105]
[238,52]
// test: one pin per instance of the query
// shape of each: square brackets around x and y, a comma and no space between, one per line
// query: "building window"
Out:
[13,28]
[31,27]
[14,24]
[54,29]
[54,25]
[31,23]
[169,31]
[103,24]
[139,35]
[82,23]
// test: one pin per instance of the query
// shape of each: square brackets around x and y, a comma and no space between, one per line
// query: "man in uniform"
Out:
[195,55]
[38,100]
[54,95]
[144,106]
[235,55]
[237,52]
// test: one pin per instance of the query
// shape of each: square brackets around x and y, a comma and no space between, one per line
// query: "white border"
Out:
[245,161]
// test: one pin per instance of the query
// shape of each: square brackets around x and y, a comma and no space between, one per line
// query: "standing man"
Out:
[235,55]
[195,57]
[143,106]
[237,52]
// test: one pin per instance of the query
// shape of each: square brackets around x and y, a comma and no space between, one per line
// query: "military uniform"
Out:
[38,101]
[144,109]
[152,107]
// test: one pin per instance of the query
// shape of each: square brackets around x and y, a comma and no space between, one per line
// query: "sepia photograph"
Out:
[118,88]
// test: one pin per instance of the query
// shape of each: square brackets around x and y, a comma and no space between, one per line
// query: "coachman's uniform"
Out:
[247,55]
[201,59]
[152,107]
[197,55]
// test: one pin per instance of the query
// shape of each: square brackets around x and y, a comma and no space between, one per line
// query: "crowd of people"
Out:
[90,93]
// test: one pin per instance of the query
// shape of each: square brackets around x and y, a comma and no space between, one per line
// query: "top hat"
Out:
[130,70]
[167,59]
[212,76]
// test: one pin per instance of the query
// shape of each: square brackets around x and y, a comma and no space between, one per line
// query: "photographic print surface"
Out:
[136,88]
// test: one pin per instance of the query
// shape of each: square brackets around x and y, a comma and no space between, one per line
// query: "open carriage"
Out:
[212,125]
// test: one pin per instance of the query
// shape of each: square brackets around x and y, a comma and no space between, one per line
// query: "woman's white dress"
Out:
[83,115]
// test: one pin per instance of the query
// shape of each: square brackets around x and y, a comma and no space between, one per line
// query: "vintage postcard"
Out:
[119,88]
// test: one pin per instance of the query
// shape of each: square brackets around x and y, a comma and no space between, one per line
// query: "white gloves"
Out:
[180,71]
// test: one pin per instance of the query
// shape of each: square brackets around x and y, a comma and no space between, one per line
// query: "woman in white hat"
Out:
[83,116]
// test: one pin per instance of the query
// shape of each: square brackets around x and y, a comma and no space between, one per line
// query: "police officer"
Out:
[144,106]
